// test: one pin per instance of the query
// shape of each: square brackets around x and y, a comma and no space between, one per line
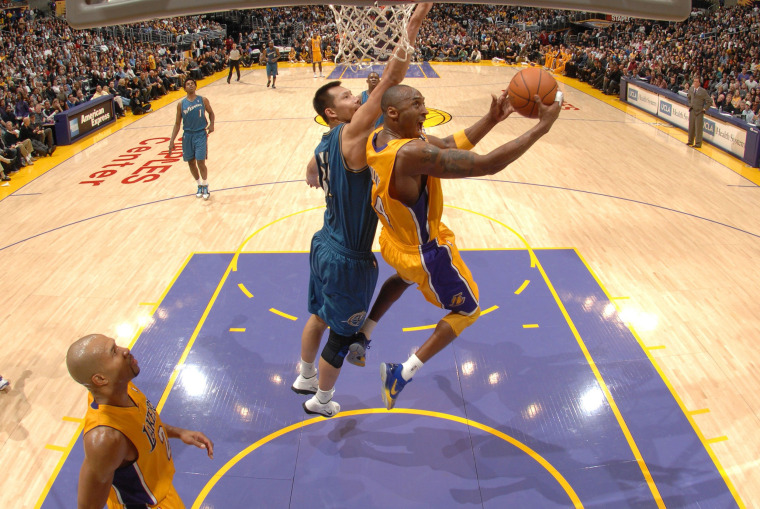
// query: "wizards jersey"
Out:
[148,481]
[414,225]
[349,219]
[379,121]
[193,114]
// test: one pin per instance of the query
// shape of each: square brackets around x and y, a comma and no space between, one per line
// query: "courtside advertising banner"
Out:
[723,134]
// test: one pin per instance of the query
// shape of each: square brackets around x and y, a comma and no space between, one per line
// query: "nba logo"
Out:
[74,127]
[709,127]
[633,94]
[666,108]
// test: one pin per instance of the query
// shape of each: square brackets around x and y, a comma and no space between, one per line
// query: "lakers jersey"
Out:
[349,219]
[413,225]
[148,481]
[193,114]
[316,44]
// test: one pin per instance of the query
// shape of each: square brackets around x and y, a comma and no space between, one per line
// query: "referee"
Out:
[234,58]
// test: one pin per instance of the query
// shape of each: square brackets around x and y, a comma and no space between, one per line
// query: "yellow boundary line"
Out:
[245,290]
[284,315]
[237,329]
[530,326]
[522,287]
[198,503]
[673,392]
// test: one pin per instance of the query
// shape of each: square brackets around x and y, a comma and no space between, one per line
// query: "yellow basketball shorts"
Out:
[437,268]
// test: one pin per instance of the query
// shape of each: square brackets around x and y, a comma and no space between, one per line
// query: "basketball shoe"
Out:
[358,350]
[313,406]
[305,385]
[4,384]
[393,383]
[199,193]
[206,194]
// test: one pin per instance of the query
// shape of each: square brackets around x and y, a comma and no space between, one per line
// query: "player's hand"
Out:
[547,114]
[211,129]
[171,146]
[197,439]
[501,107]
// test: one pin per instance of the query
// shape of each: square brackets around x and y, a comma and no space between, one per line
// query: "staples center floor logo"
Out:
[434,118]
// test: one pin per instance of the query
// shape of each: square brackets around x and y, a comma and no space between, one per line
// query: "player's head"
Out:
[271,44]
[335,103]
[190,85]
[404,110]
[372,80]
[98,363]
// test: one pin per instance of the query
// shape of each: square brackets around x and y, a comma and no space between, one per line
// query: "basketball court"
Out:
[614,365]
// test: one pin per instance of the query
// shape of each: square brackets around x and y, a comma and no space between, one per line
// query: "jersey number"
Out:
[164,440]
[381,210]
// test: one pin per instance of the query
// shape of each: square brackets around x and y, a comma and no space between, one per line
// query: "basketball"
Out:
[528,83]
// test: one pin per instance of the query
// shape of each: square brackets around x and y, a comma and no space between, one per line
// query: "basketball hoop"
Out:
[370,33]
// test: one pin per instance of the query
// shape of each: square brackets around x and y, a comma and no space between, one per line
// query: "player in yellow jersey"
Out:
[315,51]
[407,168]
[127,457]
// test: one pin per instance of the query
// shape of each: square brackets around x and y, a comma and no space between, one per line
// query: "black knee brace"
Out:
[336,349]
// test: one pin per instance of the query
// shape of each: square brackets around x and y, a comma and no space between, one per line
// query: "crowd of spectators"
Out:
[47,67]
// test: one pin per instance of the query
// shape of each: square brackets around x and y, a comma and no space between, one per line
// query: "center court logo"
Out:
[666,108]
[633,94]
[709,127]
[434,118]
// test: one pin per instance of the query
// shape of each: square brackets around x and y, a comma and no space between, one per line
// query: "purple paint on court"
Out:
[531,384]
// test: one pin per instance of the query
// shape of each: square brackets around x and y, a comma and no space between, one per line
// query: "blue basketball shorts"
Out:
[194,145]
[341,284]
[271,69]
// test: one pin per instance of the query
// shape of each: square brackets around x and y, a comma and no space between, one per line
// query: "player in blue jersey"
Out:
[343,269]
[191,113]
[372,80]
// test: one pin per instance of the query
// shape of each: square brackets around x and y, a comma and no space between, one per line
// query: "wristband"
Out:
[461,140]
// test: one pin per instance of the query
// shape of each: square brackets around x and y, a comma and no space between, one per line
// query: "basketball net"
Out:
[369,34]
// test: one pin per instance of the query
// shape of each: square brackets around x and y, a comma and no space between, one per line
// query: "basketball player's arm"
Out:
[356,132]
[195,438]
[105,449]
[177,124]
[312,172]
[207,104]
[420,158]
[500,109]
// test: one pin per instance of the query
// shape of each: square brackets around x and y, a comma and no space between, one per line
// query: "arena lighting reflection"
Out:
[125,331]
[468,368]
[194,381]
[494,378]
[639,320]
[592,400]
[532,411]
[276,379]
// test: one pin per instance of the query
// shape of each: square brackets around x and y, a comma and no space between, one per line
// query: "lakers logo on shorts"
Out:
[457,300]
[356,319]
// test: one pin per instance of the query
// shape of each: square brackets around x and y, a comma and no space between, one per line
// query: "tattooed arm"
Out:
[421,158]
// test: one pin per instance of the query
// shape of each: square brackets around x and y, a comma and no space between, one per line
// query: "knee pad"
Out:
[460,322]
[336,349]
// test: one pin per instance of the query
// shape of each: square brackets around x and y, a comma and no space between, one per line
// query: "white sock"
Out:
[410,367]
[325,396]
[200,182]
[307,369]
[367,327]
[204,182]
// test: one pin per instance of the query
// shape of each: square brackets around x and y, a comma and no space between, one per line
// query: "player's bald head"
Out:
[83,357]
[396,95]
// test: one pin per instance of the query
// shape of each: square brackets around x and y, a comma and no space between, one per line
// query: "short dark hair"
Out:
[189,79]
[323,99]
